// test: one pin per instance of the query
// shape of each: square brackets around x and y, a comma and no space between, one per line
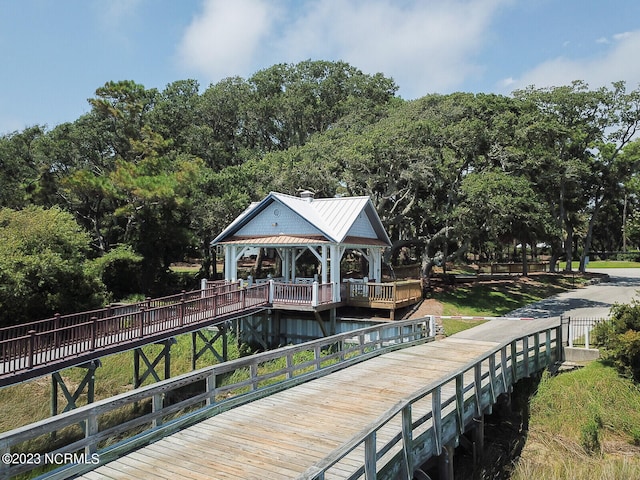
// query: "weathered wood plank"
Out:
[282,435]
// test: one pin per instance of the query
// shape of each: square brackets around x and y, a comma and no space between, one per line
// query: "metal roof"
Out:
[333,217]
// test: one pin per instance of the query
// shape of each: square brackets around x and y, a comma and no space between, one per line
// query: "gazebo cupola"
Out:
[291,225]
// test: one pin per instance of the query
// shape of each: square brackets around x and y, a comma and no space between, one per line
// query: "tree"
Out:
[153,199]
[498,206]
[18,166]
[575,137]
[43,266]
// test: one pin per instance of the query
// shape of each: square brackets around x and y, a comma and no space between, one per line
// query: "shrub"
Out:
[43,268]
[590,436]
[120,270]
[620,338]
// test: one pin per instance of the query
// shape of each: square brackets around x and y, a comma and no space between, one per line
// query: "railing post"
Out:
[586,335]
[141,325]
[272,291]
[432,326]
[460,403]
[570,330]
[547,347]
[492,374]
[156,406]
[370,457]
[56,326]
[32,340]
[203,288]
[314,294]
[182,307]
[407,440]
[514,362]
[525,355]
[318,355]
[436,417]
[210,383]
[559,344]
[91,429]
[503,368]
[477,384]
[94,333]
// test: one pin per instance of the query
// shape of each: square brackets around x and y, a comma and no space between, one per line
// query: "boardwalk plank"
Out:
[282,435]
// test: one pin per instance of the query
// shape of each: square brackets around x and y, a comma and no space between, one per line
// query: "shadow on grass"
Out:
[500,297]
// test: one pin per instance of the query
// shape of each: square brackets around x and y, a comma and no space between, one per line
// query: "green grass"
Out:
[584,424]
[454,325]
[499,298]
[602,264]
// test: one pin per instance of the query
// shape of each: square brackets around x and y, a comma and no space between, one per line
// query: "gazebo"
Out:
[326,227]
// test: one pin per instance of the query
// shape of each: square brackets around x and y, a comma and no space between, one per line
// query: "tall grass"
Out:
[31,401]
[584,424]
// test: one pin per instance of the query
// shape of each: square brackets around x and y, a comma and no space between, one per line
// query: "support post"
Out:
[478,435]
[209,344]
[58,385]
[165,354]
[445,463]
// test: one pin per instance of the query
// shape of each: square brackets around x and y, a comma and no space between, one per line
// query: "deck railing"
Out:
[187,399]
[455,401]
[392,293]
[309,294]
[50,345]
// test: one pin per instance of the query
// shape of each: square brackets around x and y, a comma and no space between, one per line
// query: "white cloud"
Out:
[617,63]
[425,45]
[225,38]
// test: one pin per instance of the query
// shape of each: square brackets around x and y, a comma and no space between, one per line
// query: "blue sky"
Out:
[55,53]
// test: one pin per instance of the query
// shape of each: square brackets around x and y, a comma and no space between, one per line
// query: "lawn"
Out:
[497,298]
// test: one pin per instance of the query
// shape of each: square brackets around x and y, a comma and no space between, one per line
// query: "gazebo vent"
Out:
[307,195]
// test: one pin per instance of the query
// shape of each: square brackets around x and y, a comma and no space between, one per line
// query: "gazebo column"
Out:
[325,264]
[375,263]
[336,253]
[286,267]
[230,263]
[293,264]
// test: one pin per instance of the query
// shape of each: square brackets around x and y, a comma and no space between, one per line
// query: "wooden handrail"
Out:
[53,346]
[485,387]
[209,397]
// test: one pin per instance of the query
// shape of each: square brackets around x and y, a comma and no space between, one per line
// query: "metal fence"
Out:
[579,331]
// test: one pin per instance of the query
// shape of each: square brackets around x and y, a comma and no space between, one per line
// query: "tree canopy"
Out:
[460,175]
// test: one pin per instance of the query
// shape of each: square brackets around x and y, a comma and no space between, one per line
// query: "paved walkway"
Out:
[593,301]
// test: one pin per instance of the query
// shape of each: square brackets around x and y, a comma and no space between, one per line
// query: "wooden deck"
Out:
[386,296]
[286,434]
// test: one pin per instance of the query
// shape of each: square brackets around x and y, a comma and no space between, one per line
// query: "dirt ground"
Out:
[429,306]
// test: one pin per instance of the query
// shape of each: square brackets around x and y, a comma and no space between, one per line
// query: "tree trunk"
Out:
[568,246]
[589,237]
[525,269]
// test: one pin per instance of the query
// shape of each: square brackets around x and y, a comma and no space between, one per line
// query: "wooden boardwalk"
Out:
[283,435]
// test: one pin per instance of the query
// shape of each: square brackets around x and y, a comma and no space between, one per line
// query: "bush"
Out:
[620,339]
[120,270]
[43,267]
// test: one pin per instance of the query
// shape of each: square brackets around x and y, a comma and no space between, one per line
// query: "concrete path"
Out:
[593,301]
